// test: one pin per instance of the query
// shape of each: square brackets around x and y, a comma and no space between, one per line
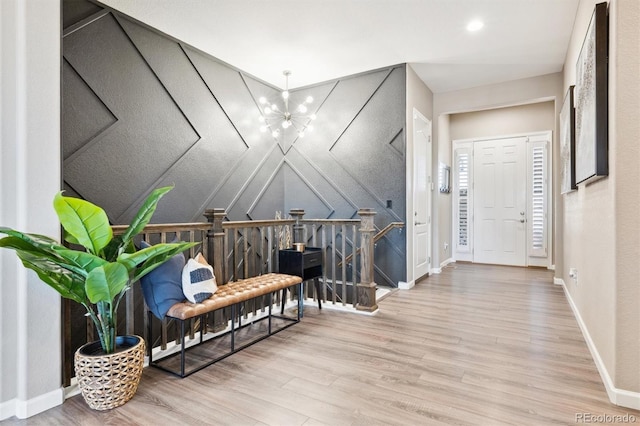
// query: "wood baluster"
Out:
[354,268]
[343,230]
[367,287]
[333,263]
[216,256]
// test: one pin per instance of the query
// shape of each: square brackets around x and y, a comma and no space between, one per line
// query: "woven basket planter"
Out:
[109,381]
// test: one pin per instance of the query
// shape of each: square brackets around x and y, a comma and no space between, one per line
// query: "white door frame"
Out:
[532,137]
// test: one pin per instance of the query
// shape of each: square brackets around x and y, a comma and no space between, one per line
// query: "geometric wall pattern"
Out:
[142,110]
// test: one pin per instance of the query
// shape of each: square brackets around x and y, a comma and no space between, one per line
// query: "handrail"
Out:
[386,229]
[330,221]
[165,227]
[376,238]
[256,223]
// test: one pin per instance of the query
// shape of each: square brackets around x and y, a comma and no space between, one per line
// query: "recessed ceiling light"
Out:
[475,25]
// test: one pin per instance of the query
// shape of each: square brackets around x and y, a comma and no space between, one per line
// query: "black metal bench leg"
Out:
[182,347]
[150,336]
[270,305]
[284,298]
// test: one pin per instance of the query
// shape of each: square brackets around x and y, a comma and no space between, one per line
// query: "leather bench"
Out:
[228,295]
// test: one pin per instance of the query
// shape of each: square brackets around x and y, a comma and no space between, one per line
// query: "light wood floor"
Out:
[475,345]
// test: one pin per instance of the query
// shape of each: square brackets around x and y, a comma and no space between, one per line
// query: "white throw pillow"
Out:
[198,281]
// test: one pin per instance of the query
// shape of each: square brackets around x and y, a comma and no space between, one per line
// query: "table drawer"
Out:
[312,259]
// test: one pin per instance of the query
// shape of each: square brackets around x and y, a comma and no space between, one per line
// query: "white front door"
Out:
[422,185]
[500,201]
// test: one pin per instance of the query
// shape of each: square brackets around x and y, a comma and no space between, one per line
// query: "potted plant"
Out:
[97,277]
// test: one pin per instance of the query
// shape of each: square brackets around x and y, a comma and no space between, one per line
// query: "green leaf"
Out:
[111,251]
[105,282]
[55,254]
[144,213]
[68,284]
[17,243]
[152,257]
[39,241]
[86,222]
[83,260]
[71,239]
[24,243]
[155,261]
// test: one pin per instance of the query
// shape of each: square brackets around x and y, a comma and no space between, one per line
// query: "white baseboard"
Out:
[558,281]
[552,268]
[31,407]
[406,286]
[442,265]
[617,396]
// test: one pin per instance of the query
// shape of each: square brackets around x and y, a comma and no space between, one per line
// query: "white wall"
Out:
[518,119]
[444,201]
[30,379]
[601,227]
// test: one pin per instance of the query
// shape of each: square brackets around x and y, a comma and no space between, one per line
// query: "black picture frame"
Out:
[591,101]
[568,144]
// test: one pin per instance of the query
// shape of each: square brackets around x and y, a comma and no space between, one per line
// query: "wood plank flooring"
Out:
[475,345]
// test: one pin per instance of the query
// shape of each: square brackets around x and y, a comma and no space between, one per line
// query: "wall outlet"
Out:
[446,246]
[573,273]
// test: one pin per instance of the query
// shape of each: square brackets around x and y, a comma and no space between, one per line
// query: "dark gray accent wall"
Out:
[142,110]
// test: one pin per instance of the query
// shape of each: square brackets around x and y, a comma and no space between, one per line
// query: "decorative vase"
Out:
[110,380]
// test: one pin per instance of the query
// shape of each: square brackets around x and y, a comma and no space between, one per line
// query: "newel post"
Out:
[298,227]
[215,241]
[366,288]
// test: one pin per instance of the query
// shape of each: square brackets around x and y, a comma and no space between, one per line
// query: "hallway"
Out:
[474,345]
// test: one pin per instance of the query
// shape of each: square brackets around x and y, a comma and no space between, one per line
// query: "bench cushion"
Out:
[234,292]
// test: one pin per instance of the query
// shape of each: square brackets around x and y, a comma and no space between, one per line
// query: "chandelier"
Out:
[276,117]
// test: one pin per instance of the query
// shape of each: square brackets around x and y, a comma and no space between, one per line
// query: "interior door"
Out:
[500,201]
[422,184]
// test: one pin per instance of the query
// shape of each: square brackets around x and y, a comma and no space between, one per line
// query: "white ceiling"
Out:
[319,40]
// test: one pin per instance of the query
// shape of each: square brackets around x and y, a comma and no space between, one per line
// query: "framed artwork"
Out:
[590,96]
[568,144]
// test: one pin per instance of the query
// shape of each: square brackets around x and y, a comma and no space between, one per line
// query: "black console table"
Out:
[306,264]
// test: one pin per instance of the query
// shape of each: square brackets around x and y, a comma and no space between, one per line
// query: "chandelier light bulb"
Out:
[475,25]
[309,128]
[301,134]
[267,110]
[286,124]
[261,119]
[309,99]
[262,100]
[275,133]
[285,94]
[302,108]
[312,116]
[274,107]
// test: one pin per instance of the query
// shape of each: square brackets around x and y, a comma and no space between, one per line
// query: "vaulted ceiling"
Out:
[319,40]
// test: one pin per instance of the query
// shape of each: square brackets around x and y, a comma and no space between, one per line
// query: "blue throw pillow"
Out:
[162,287]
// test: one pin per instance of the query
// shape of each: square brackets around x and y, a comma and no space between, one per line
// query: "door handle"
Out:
[522,220]
[419,223]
